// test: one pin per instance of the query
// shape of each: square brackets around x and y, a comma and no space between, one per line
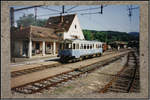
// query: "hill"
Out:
[134,33]
[110,36]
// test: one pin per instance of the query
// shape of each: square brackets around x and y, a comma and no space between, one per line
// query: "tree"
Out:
[109,36]
[30,20]
[88,35]
[26,20]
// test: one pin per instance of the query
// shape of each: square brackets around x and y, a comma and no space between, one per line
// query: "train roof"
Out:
[80,41]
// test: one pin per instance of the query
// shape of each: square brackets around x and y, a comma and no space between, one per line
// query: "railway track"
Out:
[31,70]
[43,67]
[126,80]
[47,83]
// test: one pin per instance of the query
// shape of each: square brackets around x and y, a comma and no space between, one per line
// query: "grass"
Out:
[62,89]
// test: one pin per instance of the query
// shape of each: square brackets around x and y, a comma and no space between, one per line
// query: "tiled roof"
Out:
[35,32]
[60,23]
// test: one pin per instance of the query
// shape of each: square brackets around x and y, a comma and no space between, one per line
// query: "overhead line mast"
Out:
[130,8]
[12,10]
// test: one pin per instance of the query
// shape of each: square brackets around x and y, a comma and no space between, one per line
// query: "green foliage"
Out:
[109,36]
[30,20]
[88,35]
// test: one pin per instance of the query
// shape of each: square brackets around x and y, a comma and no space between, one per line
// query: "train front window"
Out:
[68,46]
[100,46]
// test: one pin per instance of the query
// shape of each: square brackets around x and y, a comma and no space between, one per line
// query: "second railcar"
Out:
[105,47]
[79,49]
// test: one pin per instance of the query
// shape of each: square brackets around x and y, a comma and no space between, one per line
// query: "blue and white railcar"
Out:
[74,49]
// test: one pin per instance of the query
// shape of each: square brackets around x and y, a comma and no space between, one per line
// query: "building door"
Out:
[37,47]
[25,48]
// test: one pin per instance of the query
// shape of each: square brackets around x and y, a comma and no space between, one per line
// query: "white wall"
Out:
[74,31]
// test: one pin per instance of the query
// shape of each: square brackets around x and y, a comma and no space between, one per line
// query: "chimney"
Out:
[62,19]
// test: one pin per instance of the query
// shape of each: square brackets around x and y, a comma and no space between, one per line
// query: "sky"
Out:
[114,17]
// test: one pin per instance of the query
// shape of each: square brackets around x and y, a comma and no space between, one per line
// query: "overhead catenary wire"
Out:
[90,13]
[99,12]
[50,9]
[85,9]
[48,14]
[71,8]
[66,10]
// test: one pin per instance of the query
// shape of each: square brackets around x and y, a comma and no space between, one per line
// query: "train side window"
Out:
[87,46]
[73,45]
[77,46]
[84,46]
[100,46]
[81,46]
[90,46]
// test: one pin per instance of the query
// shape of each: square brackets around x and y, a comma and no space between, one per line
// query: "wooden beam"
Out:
[26,8]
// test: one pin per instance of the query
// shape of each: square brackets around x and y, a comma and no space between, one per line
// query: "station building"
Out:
[118,44]
[33,40]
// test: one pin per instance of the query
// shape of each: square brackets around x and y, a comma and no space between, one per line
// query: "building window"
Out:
[49,46]
[37,45]
[75,26]
[60,34]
